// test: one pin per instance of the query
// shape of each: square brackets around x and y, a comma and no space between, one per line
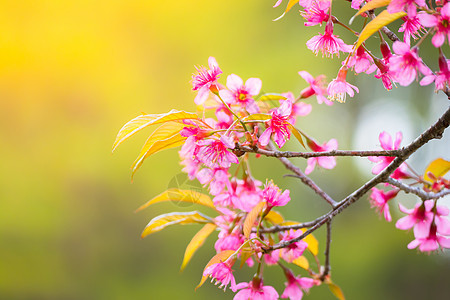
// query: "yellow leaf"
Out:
[219,257]
[438,167]
[251,218]
[139,123]
[313,244]
[246,252]
[274,217]
[336,290]
[196,242]
[272,97]
[290,4]
[302,262]
[178,195]
[371,5]
[182,218]
[383,19]
[257,117]
[297,135]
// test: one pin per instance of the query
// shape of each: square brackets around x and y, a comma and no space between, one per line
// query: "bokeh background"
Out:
[73,72]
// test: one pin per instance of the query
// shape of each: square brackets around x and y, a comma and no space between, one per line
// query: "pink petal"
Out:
[445,11]
[405,223]
[327,162]
[253,86]
[202,95]
[331,145]
[227,96]
[265,137]
[444,242]
[422,229]
[413,244]
[385,140]
[443,226]
[400,48]
[438,39]
[429,245]
[212,63]
[306,76]
[427,20]
[234,82]
[398,139]
[311,164]
[285,108]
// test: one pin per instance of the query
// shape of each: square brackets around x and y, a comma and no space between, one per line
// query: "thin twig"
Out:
[327,268]
[416,191]
[278,228]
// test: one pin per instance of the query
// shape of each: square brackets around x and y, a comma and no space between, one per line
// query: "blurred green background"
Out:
[73,72]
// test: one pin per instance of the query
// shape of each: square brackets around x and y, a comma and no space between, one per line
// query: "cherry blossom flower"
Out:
[442,223]
[383,161]
[442,79]
[361,61]
[227,241]
[240,93]
[205,79]
[222,273]
[316,87]
[440,22]
[298,108]
[296,285]
[408,5]
[411,28]
[214,154]
[433,241]
[278,125]
[294,250]
[379,199]
[356,4]
[326,162]
[339,87]
[273,196]
[217,179]
[405,63]
[328,43]
[384,74]
[420,217]
[316,13]
[255,290]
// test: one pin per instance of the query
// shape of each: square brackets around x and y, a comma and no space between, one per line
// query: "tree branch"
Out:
[416,191]
[327,268]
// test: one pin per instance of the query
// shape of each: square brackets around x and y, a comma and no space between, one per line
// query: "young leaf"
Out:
[251,218]
[257,117]
[246,253]
[313,244]
[165,136]
[160,222]
[177,195]
[219,257]
[196,242]
[274,217]
[272,97]
[336,290]
[383,19]
[139,123]
[297,135]
[438,167]
[302,262]
[290,4]
[369,6]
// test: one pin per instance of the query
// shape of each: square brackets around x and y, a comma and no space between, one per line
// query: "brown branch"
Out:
[327,268]
[278,228]
[434,132]
[416,191]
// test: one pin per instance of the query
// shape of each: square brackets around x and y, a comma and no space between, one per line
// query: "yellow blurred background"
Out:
[73,72]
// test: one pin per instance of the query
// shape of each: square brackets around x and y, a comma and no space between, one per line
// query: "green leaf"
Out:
[251,218]
[369,6]
[272,97]
[182,218]
[297,135]
[383,19]
[196,242]
[438,167]
[174,194]
[219,257]
[290,4]
[139,123]
[336,290]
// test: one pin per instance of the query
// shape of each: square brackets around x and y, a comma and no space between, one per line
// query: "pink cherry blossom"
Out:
[326,162]
[383,161]
[361,61]
[214,154]
[411,28]
[440,22]
[442,223]
[407,5]
[316,87]
[298,108]
[405,63]
[420,217]
[356,4]
[227,241]
[205,79]
[294,250]
[240,93]
[278,125]
[339,87]
[328,43]
[379,199]
[316,13]
[222,273]
[433,241]
[296,285]
[255,290]
[384,74]
[273,196]
[217,179]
